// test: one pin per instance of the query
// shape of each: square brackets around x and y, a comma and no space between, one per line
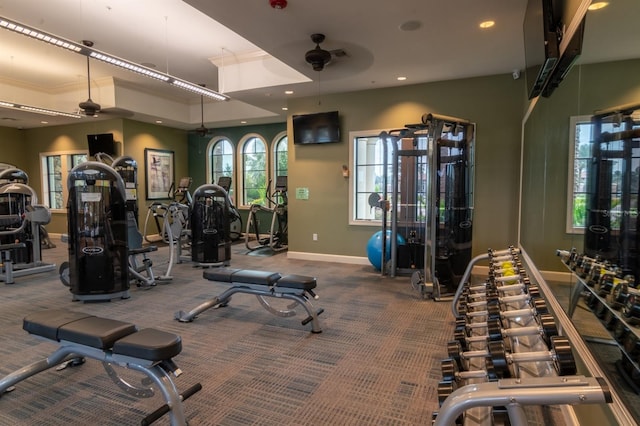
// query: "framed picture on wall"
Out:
[158,167]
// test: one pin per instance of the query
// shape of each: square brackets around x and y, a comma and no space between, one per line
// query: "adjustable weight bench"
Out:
[298,288]
[79,335]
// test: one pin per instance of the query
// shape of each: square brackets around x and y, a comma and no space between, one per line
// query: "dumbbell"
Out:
[608,279]
[568,257]
[493,298]
[631,309]
[538,306]
[511,250]
[522,284]
[621,292]
[546,328]
[584,265]
[560,354]
[452,373]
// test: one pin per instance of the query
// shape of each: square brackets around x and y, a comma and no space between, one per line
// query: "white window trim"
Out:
[573,121]
[353,135]
[210,144]
[240,168]
[274,155]
[65,175]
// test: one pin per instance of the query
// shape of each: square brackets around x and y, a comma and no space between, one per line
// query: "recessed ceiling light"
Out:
[598,5]
[285,109]
[401,78]
[159,121]
[487,24]
[243,122]
[288,92]
[44,122]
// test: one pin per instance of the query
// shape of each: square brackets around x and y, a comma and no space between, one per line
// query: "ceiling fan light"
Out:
[318,58]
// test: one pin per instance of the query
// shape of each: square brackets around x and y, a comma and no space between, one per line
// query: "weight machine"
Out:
[278,238]
[11,174]
[209,234]
[612,225]
[429,198]
[21,218]
[98,234]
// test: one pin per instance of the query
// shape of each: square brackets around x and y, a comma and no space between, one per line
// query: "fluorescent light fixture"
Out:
[32,32]
[110,59]
[38,110]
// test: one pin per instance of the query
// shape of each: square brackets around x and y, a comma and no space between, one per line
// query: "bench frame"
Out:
[262,291]
[158,371]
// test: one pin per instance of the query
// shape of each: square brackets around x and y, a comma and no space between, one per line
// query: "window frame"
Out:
[353,135]
[277,140]
[240,166]
[66,164]
[209,167]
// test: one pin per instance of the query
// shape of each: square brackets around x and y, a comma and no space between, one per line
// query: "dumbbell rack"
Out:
[614,303]
[531,371]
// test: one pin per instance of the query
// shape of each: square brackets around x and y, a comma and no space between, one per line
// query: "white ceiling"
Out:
[259,52]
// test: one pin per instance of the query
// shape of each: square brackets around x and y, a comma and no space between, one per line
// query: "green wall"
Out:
[132,137]
[494,103]
[586,89]
[198,145]
[12,146]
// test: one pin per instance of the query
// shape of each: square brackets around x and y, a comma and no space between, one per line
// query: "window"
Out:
[280,155]
[221,160]
[580,138]
[366,158]
[55,168]
[253,177]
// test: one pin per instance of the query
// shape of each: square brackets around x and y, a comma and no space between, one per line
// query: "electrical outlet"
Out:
[315,237]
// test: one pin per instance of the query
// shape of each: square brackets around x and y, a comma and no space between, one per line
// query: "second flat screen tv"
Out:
[322,127]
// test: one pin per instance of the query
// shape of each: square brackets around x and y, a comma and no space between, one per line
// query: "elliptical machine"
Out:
[278,238]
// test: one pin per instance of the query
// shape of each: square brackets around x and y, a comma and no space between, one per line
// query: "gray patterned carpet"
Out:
[377,361]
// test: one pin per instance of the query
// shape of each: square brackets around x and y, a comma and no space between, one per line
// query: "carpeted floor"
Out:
[377,361]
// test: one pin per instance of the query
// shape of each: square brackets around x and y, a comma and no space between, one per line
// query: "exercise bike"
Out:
[278,237]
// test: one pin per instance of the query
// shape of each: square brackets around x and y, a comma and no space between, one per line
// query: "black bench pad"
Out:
[47,323]
[100,333]
[246,276]
[103,333]
[149,344]
[301,282]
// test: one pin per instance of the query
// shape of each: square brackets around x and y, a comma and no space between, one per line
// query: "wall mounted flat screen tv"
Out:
[101,143]
[541,46]
[322,127]
[566,61]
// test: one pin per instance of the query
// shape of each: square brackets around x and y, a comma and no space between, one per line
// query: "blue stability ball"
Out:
[374,248]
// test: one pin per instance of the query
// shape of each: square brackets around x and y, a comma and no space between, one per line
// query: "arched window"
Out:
[280,155]
[254,170]
[221,160]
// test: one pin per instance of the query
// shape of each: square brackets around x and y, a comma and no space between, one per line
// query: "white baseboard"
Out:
[320,257]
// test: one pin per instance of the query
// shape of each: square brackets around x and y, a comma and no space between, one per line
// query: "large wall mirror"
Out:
[555,157]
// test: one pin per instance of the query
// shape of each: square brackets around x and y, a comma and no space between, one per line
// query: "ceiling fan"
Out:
[201,131]
[318,57]
[88,107]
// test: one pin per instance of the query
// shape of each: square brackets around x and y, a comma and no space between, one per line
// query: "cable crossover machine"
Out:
[427,201]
